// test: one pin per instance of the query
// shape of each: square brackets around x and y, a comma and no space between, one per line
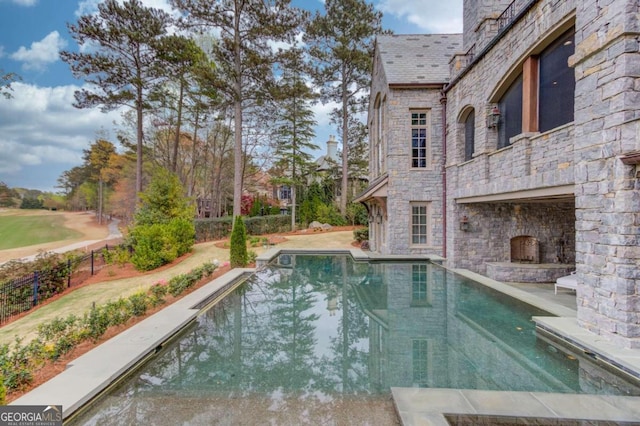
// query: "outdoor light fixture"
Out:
[464,224]
[493,117]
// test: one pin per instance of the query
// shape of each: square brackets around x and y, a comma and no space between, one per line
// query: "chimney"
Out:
[332,148]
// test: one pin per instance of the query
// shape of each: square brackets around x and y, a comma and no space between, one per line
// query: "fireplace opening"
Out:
[525,249]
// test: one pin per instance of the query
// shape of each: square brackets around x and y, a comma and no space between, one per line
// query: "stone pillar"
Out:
[607,117]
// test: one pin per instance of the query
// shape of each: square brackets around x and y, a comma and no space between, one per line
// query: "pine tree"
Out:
[296,118]
[242,55]
[121,68]
[342,43]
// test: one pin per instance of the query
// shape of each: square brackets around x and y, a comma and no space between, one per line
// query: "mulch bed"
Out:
[53,368]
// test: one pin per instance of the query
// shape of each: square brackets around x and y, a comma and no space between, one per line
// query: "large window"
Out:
[419,139]
[469,135]
[510,107]
[557,84]
[420,225]
[546,99]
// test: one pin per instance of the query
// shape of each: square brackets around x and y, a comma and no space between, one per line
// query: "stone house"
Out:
[513,150]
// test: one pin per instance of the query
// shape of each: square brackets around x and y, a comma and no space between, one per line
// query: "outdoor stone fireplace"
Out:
[525,249]
[524,264]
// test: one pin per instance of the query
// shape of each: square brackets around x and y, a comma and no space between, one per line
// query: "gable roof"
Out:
[417,58]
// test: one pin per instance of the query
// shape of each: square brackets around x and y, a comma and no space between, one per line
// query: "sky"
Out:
[42,134]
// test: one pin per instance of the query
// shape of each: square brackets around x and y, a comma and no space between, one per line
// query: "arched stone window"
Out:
[469,135]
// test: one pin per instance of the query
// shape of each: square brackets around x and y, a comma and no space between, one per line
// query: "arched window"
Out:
[557,83]
[469,135]
[510,106]
[546,99]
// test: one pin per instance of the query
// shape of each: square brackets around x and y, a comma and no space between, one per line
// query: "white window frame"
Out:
[426,213]
[423,117]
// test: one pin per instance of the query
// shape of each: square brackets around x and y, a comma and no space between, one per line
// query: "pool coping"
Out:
[90,374]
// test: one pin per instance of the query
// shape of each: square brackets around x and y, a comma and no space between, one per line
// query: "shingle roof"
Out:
[418,58]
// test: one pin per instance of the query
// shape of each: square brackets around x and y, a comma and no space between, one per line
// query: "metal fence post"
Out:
[68,273]
[91,262]
[35,288]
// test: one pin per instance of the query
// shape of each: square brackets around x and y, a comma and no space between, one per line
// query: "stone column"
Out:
[607,117]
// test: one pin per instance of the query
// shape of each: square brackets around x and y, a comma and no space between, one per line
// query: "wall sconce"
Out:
[464,224]
[493,117]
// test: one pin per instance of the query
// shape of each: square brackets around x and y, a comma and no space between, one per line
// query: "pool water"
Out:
[315,339]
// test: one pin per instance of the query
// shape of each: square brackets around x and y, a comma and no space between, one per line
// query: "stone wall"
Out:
[607,124]
[408,185]
[493,225]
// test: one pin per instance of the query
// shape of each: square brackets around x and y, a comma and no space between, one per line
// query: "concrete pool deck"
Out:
[93,372]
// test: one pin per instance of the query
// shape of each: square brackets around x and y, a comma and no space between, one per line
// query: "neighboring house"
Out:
[530,137]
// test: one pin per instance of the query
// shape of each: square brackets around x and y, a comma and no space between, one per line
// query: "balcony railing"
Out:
[507,15]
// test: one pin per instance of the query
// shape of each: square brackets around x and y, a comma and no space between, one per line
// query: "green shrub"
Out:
[361,234]
[138,303]
[158,291]
[251,256]
[178,284]
[328,213]
[121,255]
[238,252]
[3,391]
[15,365]
[97,322]
[148,241]
[181,233]
[357,214]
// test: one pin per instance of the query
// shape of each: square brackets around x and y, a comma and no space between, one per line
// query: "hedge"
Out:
[220,228]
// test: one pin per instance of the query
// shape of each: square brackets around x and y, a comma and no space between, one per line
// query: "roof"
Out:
[417,58]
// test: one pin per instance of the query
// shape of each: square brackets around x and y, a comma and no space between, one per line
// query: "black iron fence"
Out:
[21,294]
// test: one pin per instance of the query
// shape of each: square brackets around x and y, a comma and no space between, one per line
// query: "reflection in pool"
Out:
[322,339]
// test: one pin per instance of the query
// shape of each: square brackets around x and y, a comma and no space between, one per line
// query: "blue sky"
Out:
[42,134]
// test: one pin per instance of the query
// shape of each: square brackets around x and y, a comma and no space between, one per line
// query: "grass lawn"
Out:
[20,231]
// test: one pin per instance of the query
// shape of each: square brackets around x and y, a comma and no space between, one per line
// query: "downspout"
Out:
[443,104]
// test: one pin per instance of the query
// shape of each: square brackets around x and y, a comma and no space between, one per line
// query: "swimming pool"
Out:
[311,339]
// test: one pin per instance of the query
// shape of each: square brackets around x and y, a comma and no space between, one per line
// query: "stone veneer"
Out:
[607,124]
[408,185]
[491,227]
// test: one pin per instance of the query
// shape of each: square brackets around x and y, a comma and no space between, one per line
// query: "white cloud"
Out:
[433,16]
[41,52]
[42,134]
[1,51]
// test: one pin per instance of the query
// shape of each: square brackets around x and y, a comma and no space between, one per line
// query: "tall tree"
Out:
[181,58]
[296,122]
[97,159]
[242,54]
[120,62]
[341,44]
